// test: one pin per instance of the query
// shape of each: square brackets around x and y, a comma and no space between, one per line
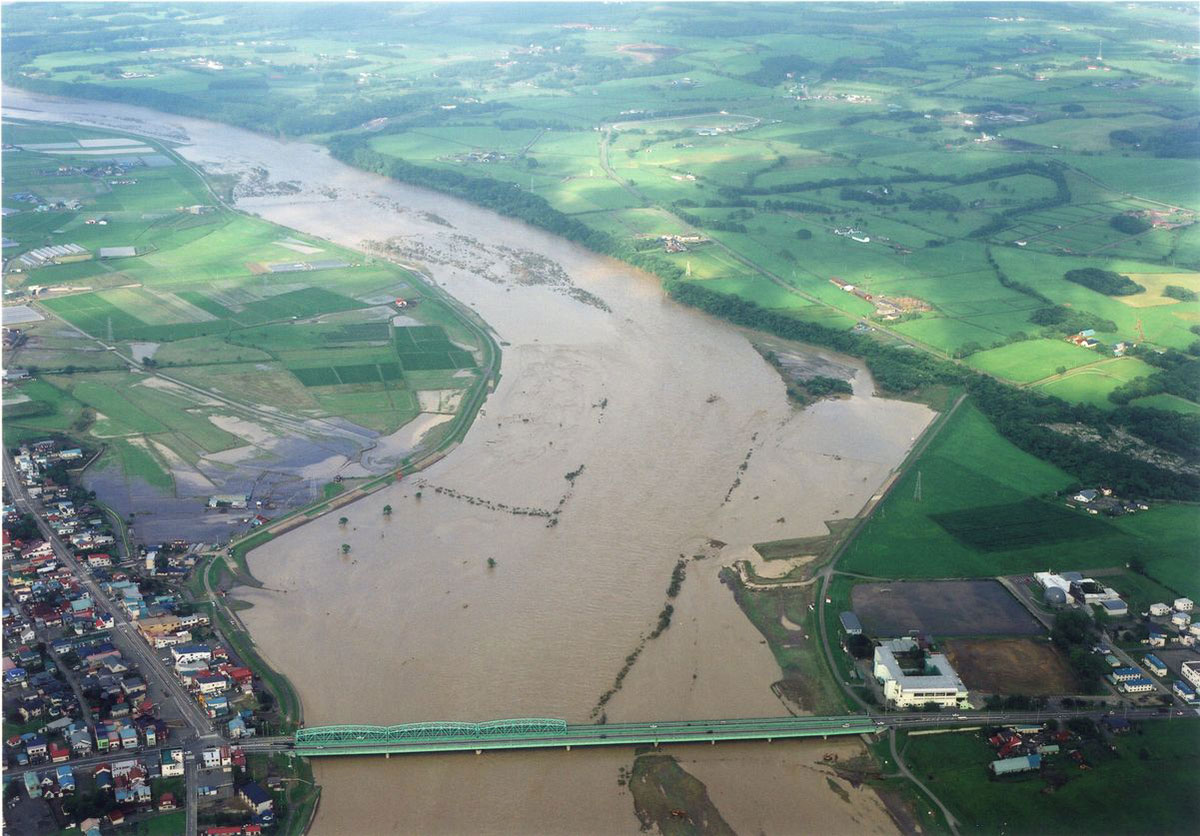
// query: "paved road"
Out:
[124,633]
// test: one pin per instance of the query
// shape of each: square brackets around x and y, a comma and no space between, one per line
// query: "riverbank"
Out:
[688,441]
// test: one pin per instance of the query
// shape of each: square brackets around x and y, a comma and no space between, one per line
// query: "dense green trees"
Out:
[1104,281]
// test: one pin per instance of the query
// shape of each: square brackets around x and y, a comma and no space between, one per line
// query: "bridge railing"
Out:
[418,732]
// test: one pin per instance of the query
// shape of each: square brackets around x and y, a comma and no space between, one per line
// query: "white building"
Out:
[906,690]
[1191,672]
[1141,685]
[172,763]
[1159,610]
[1181,620]
[1183,605]
[1050,580]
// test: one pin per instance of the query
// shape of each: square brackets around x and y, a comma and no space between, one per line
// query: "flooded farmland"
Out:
[681,443]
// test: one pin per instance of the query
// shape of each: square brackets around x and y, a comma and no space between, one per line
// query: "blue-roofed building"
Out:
[1155,665]
[1184,691]
[851,624]
[258,798]
[1125,674]
[66,778]
[1138,685]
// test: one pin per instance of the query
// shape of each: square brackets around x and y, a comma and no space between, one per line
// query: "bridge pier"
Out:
[387,756]
[479,751]
[568,747]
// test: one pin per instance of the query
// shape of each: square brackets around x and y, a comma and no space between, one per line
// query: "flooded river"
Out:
[686,441]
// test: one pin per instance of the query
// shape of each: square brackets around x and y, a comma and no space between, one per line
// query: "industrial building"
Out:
[937,683]
[1125,674]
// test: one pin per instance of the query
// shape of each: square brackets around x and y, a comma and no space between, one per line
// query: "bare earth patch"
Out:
[1011,666]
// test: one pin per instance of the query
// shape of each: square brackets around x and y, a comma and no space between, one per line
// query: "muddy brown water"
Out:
[661,405]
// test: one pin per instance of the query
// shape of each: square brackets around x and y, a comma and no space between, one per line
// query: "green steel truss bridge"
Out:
[533,733]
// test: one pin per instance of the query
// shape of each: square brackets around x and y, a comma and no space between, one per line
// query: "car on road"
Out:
[845,725]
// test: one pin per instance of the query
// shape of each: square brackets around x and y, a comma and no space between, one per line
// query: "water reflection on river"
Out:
[662,406]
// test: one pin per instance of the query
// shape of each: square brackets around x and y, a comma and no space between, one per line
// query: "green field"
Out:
[196,292]
[1159,754]
[966,470]
[1025,362]
[1091,384]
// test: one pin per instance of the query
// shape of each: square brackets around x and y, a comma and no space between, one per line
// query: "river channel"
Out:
[662,407]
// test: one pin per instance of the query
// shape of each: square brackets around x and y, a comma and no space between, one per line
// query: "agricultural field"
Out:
[986,508]
[803,154]
[175,350]
[1158,754]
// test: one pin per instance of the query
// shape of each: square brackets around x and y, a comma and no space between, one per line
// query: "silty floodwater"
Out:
[661,406]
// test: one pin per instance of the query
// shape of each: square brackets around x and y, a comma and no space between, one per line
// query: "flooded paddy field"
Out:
[624,436]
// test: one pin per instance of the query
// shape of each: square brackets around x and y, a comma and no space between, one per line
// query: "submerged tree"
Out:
[345,548]
[343,520]
[387,510]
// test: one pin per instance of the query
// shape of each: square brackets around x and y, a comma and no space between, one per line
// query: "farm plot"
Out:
[427,348]
[1019,525]
[1011,666]
[941,608]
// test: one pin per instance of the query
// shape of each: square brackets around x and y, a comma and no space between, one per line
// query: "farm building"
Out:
[1184,691]
[1159,610]
[1138,685]
[1155,665]
[1116,608]
[937,682]
[1011,766]
[1183,605]
[851,624]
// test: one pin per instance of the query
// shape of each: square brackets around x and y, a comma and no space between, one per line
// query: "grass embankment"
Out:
[805,674]
[1161,754]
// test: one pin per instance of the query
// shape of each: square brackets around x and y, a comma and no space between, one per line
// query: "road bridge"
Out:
[543,733]
[537,733]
